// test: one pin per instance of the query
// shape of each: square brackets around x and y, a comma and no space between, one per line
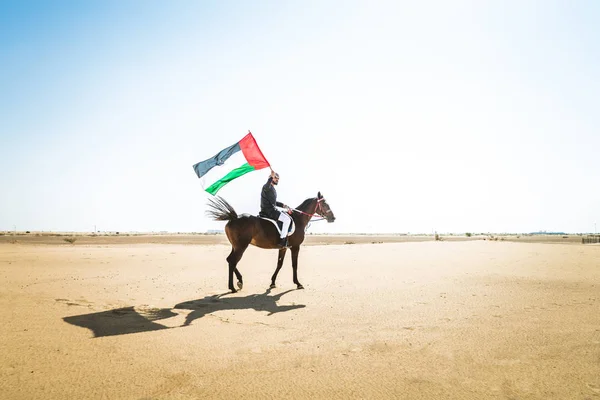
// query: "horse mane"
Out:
[304,204]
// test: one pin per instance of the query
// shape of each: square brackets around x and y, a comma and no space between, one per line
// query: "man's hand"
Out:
[272,174]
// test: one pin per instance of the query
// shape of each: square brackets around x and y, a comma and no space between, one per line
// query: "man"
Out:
[268,204]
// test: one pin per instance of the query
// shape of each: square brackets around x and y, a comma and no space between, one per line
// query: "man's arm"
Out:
[270,196]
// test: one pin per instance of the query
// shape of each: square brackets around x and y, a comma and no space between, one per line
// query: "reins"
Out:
[313,214]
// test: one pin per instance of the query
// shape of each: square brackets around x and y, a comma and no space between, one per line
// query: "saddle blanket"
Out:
[278,224]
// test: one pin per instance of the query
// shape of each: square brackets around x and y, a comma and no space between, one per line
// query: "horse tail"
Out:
[221,210]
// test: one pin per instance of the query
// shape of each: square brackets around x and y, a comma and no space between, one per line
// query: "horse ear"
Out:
[319,195]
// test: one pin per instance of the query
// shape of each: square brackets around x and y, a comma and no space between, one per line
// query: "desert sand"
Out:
[152,318]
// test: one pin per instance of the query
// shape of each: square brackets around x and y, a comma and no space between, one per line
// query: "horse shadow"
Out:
[258,302]
[128,320]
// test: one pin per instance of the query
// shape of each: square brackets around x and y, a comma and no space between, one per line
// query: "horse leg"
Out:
[234,257]
[240,282]
[230,260]
[279,264]
[295,251]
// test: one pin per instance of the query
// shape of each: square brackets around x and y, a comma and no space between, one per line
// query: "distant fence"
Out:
[590,239]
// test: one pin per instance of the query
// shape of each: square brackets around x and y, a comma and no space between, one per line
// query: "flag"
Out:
[230,163]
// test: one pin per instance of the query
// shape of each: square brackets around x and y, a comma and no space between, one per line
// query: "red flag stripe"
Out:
[252,152]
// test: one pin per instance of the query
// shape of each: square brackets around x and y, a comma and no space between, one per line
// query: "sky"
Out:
[409,117]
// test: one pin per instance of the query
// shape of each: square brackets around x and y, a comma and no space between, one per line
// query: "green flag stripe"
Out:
[236,173]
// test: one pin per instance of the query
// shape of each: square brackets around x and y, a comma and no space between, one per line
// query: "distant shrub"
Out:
[70,240]
[27,232]
[468,234]
[437,237]
[349,242]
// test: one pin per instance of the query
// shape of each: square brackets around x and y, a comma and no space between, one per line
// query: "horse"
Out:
[245,230]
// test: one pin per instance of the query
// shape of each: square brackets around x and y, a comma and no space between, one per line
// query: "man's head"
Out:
[275,178]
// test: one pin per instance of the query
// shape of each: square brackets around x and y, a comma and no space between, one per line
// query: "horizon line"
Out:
[221,232]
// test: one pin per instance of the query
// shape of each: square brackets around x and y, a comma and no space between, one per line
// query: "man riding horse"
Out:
[269,204]
[244,230]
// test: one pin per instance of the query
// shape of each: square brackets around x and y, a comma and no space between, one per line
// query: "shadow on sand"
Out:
[122,321]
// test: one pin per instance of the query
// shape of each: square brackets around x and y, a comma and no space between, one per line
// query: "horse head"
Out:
[323,209]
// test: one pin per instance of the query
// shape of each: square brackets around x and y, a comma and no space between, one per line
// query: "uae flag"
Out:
[230,163]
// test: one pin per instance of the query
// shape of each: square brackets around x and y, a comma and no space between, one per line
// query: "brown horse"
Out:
[245,230]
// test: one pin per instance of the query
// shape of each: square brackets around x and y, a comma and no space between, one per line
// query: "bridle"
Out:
[317,208]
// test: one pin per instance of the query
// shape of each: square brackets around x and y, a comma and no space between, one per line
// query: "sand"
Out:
[467,319]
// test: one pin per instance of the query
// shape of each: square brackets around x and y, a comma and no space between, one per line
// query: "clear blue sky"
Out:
[463,116]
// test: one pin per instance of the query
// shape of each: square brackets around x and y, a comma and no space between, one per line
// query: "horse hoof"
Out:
[300,287]
[240,285]
[272,286]
[233,290]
